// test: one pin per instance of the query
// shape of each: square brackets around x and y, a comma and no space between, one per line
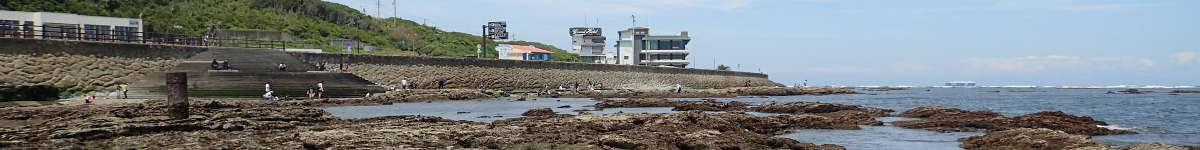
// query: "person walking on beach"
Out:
[124,90]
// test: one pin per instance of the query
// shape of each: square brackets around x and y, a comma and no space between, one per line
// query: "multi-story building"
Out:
[589,44]
[637,47]
[68,26]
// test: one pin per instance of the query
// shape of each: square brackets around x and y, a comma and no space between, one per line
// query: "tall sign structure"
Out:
[493,30]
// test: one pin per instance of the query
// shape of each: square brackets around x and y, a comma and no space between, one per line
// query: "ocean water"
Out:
[1158,116]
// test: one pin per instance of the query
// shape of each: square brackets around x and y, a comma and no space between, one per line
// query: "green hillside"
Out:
[312,21]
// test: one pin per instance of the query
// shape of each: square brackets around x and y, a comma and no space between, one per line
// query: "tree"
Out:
[723,68]
[413,41]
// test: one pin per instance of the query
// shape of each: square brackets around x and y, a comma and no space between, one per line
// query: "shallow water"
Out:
[1157,116]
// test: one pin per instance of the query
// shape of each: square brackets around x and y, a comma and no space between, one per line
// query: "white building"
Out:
[589,44]
[637,46]
[68,26]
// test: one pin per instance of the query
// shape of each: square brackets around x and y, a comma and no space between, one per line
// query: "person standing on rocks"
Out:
[267,86]
[124,90]
[678,88]
[441,83]
[320,89]
[404,84]
[282,67]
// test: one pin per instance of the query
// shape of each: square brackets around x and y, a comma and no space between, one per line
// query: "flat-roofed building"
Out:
[637,47]
[68,26]
[589,44]
[522,52]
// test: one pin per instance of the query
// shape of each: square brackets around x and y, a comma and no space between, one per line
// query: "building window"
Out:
[96,32]
[9,27]
[126,33]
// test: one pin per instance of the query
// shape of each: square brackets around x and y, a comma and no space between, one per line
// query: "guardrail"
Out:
[124,36]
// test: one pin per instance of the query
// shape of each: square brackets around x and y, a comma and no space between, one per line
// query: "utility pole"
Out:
[479,52]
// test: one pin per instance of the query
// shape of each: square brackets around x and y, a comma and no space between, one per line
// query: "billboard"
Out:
[585,31]
[497,30]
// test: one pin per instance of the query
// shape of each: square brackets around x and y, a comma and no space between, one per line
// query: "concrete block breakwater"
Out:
[470,73]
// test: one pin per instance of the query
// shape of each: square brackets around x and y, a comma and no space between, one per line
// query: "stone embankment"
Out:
[76,73]
[945,119]
[428,76]
[262,125]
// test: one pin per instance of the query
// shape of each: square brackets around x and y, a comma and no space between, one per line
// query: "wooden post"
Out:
[177,101]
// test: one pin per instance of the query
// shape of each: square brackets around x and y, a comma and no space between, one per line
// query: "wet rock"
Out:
[1059,120]
[539,112]
[942,111]
[565,106]
[1132,91]
[1154,146]
[1030,139]
[944,119]
[692,129]
[709,106]
[814,107]
[1185,91]
[637,102]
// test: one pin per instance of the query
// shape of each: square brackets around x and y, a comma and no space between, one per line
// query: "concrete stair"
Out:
[254,67]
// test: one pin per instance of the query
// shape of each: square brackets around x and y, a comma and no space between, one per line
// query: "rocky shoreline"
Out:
[708,124]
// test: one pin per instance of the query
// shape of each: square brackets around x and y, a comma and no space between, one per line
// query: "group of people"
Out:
[220,65]
[316,92]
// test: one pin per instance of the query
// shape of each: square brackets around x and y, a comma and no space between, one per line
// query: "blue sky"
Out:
[876,42]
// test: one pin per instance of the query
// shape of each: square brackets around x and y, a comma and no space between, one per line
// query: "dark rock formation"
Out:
[944,119]
[538,112]
[1185,91]
[1028,139]
[1047,139]
[815,107]
[679,105]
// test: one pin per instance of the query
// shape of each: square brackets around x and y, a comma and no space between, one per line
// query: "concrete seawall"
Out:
[73,66]
[471,73]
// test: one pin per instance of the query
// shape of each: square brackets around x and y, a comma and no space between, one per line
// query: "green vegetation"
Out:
[723,68]
[313,22]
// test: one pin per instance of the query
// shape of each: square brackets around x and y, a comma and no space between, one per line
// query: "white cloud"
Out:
[1058,63]
[1187,57]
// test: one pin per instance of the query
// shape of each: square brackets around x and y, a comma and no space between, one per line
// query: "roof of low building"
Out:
[530,49]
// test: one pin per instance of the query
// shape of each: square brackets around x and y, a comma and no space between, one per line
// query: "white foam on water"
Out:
[1114,127]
